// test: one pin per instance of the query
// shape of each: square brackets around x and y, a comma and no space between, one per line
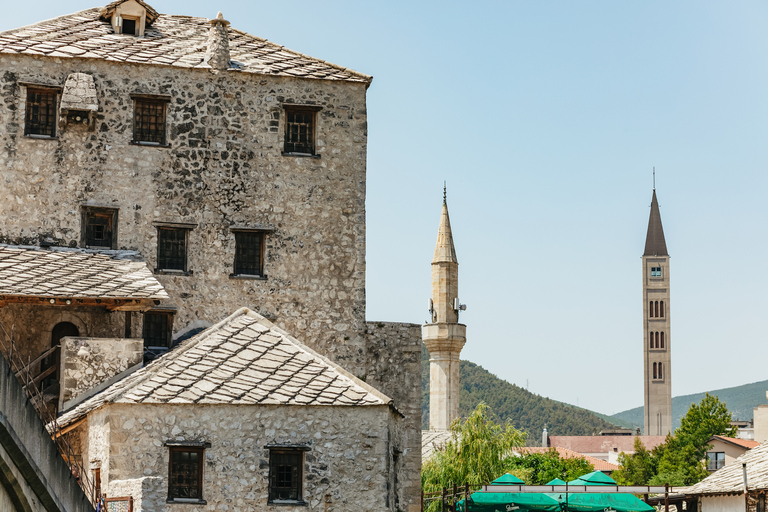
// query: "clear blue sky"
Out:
[546,118]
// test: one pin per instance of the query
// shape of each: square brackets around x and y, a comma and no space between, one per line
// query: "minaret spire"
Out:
[655,244]
[444,336]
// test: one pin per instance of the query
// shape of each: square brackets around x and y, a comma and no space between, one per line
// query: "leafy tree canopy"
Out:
[680,459]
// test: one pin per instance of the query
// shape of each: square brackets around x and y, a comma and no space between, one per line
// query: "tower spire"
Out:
[444,249]
[655,245]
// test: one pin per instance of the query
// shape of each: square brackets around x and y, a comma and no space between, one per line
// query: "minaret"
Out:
[444,336]
[657,340]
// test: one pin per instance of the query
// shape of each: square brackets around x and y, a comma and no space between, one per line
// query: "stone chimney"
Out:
[217,55]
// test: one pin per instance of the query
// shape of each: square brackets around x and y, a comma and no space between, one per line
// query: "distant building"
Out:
[741,485]
[605,448]
[725,450]
[657,355]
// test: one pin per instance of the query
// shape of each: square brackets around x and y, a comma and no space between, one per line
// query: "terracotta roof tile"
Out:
[604,444]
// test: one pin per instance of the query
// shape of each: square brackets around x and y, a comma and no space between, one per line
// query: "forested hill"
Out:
[526,410]
[740,401]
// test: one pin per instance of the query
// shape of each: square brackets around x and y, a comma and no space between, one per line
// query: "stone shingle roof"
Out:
[433,440]
[179,41]
[730,479]
[244,359]
[30,272]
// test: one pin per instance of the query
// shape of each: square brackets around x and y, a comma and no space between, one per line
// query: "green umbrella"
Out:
[509,501]
[555,481]
[599,502]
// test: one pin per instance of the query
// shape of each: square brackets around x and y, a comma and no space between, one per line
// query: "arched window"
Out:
[656,313]
[650,309]
[657,339]
[661,372]
[650,335]
[662,339]
[661,309]
[654,370]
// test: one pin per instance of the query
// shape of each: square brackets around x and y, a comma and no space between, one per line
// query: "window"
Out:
[149,120]
[129,26]
[650,340]
[655,373]
[661,372]
[172,248]
[662,339]
[300,125]
[715,460]
[661,308]
[99,227]
[158,330]
[97,484]
[650,309]
[655,271]
[657,339]
[185,473]
[41,112]
[286,472]
[249,253]
[656,309]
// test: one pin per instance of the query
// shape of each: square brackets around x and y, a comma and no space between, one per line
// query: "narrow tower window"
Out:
[661,309]
[662,339]
[656,312]
[661,371]
[650,336]
[650,309]
[654,370]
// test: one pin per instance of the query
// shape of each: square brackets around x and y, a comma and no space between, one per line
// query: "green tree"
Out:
[680,459]
[540,468]
[475,454]
[636,469]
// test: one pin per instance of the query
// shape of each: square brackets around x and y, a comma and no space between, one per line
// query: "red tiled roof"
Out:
[747,444]
[604,444]
[565,453]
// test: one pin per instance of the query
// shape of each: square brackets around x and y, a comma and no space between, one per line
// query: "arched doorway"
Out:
[50,384]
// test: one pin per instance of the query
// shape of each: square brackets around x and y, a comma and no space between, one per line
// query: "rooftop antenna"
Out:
[654,178]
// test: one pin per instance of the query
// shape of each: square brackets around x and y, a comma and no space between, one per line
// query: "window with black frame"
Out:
[285,475]
[99,227]
[40,118]
[249,247]
[185,473]
[157,329]
[715,460]
[149,120]
[300,130]
[172,248]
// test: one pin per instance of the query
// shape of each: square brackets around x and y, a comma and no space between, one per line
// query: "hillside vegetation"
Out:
[527,411]
[740,401]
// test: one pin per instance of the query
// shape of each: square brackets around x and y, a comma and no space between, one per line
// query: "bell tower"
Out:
[656,329]
[444,336]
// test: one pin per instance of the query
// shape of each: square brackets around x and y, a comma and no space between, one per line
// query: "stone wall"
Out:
[32,325]
[88,362]
[222,169]
[349,467]
[35,477]
[394,356]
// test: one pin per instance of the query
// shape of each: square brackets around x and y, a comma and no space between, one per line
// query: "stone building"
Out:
[657,355]
[243,415]
[233,169]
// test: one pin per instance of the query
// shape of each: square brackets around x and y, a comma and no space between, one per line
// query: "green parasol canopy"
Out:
[509,501]
[599,502]
[555,481]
